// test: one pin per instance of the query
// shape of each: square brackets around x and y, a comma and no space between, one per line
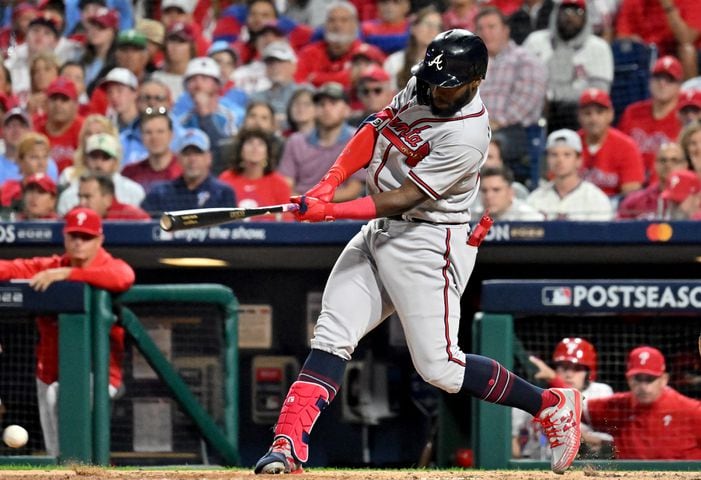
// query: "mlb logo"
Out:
[556,296]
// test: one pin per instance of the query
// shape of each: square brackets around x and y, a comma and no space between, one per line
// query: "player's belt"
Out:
[399,218]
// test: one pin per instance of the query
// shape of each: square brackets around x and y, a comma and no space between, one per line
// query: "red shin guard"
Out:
[303,405]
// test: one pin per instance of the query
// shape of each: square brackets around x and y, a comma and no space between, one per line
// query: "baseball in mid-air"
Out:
[15,436]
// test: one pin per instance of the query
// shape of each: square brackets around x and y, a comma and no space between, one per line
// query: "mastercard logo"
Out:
[659,232]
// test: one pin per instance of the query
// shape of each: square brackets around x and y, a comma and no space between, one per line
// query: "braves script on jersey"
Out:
[442,155]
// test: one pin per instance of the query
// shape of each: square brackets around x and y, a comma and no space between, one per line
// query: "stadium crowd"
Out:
[161,104]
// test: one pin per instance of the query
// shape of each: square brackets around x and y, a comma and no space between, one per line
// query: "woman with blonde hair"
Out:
[690,141]
[43,69]
[93,124]
[425,25]
[32,159]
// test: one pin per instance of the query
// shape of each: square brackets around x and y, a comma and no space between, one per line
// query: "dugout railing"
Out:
[85,317]
[580,302]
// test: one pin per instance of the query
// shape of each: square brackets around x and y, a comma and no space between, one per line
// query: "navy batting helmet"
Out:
[453,58]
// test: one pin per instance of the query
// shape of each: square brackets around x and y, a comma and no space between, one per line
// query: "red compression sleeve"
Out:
[355,155]
[362,208]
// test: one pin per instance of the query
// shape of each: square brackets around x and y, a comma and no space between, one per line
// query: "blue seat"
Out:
[536,134]
[632,61]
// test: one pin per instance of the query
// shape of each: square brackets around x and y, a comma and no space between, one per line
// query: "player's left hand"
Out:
[312,209]
[41,281]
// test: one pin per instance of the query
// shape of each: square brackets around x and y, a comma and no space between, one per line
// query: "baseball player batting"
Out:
[423,154]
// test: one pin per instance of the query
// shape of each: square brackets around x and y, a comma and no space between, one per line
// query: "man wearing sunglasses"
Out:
[375,92]
[652,420]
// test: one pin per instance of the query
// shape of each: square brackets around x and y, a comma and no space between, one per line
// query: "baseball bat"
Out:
[207,217]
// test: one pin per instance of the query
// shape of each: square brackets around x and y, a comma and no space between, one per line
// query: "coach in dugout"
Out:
[652,420]
[86,261]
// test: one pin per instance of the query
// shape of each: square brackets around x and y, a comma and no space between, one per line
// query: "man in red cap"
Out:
[39,195]
[610,158]
[62,122]
[652,420]
[654,121]
[86,261]
[683,195]
[374,92]
[689,106]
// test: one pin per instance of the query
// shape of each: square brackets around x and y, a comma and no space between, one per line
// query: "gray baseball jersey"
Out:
[417,268]
[440,155]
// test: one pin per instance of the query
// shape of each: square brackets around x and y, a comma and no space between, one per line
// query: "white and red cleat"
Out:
[561,424]
[279,459]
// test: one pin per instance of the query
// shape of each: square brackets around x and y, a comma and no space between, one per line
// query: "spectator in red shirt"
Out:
[647,204]
[611,160]
[252,177]
[683,196]
[689,107]
[86,261]
[328,60]
[13,35]
[461,14]
[96,192]
[390,30]
[654,121]
[38,198]
[652,420]
[180,11]
[161,163]
[672,25]
[62,123]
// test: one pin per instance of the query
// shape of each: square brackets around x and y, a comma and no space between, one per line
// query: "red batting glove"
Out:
[325,189]
[312,209]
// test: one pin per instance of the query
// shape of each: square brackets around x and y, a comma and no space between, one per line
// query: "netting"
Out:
[613,337]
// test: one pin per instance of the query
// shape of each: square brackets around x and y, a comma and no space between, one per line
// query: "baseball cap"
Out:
[183,31]
[332,90]
[41,180]
[680,185]
[565,137]
[46,20]
[574,3]
[103,142]
[105,18]
[279,51]
[131,37]
[272,27]
[153,30]
[187,6]
[375,73]
[22,8]
[121,76]
[370,52]
[668,65]
[62,86]
[203,66]
[645,360]
[193,137]
[16,112]
[221,46]
[83,220]
[594,96]
[689,98]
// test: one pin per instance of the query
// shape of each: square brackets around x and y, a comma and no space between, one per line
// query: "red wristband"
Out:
[362,208]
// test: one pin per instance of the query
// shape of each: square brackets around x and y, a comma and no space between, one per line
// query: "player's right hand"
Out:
[312,209]
[544,371]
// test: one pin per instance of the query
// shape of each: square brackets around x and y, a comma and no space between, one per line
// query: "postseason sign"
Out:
[591,296]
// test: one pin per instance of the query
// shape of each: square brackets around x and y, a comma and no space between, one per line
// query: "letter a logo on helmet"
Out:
[453,58]
[437,62]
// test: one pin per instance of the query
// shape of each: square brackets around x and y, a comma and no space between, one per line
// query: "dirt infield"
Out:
[92,473]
